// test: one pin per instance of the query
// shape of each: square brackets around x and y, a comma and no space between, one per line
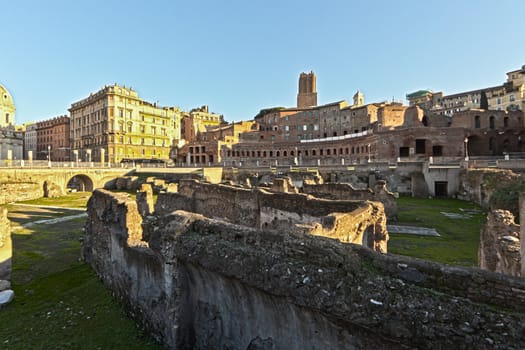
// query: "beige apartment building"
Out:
[509,96]
[115,123]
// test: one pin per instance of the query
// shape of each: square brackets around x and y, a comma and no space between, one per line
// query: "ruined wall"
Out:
[379,193]
[114,248]
[499,246]
[19,191]
[199,284]
[365,220]
[6,249]
[478,185]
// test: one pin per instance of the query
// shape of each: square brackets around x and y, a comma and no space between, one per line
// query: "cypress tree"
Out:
[483,101]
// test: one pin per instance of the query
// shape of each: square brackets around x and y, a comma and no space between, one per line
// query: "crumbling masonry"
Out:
[201,283]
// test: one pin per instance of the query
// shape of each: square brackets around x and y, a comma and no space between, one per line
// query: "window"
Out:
[420,146]
[506,122]
[477,122]
[287,128]
[403,152]
[491,122]
[511,98]
[437,151]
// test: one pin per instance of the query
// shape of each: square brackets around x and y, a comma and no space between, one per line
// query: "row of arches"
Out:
[306,152]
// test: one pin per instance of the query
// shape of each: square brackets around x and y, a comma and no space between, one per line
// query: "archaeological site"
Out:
[231,266]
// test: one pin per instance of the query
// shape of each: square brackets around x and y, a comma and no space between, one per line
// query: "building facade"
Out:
[11,140]
[198,120]
[115,123]
[52,139]
[508,96]
[30,141]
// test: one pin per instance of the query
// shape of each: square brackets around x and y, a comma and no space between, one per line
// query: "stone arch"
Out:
[369,237]
[80,182]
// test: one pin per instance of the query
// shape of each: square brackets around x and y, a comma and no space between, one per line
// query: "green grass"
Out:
[459,241]
[71,200]
[59,301]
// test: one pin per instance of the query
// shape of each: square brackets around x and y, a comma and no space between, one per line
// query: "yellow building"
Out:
[512,96]
[115,123]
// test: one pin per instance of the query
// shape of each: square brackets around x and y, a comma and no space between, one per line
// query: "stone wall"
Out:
[478,185]
[342,191]
[350,221]
[19,191]
[6,248]
[499,246]
[197,283]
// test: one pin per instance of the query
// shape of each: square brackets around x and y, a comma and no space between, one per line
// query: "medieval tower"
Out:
[307,96]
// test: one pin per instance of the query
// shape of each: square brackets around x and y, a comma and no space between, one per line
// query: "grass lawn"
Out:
[459,241]
[59,301]
[71,200]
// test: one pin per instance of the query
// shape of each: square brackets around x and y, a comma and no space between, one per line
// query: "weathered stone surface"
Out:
[198,283]
[4,284]
[499,246]
[360,222]
[129,183]
[20,191]
[52,190]
[284,184]
[144,199]
[344,191]
[6,248]
[478,185]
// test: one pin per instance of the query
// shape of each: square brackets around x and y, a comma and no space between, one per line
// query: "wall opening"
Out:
[368,237]
[80,183]
[420,146]
[404,152]
[441,189]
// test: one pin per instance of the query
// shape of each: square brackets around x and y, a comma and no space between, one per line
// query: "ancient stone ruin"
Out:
[499,246]
[346,191]
[360,222]
[196,282]
[6,252]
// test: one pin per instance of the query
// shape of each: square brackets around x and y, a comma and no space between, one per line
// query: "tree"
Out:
[483,101]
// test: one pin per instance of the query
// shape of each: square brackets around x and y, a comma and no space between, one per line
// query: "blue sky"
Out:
[240,56]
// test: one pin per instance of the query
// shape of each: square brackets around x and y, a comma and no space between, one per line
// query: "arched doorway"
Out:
[80,183]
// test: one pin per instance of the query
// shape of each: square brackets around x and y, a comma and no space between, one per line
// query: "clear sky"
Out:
[239,56]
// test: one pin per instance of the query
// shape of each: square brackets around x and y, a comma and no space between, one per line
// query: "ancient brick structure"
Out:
[346,191]
[307,96]
[360,222]
[198,283]
[499,246]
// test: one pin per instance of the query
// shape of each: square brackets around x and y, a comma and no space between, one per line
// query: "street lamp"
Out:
[466,148]
[49,156]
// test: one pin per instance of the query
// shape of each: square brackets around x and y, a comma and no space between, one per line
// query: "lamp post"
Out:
[49,156]
[466,148]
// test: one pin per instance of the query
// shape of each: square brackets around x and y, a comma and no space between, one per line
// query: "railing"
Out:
[40,164]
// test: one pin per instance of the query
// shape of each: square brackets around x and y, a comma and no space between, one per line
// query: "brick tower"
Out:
[307,96]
